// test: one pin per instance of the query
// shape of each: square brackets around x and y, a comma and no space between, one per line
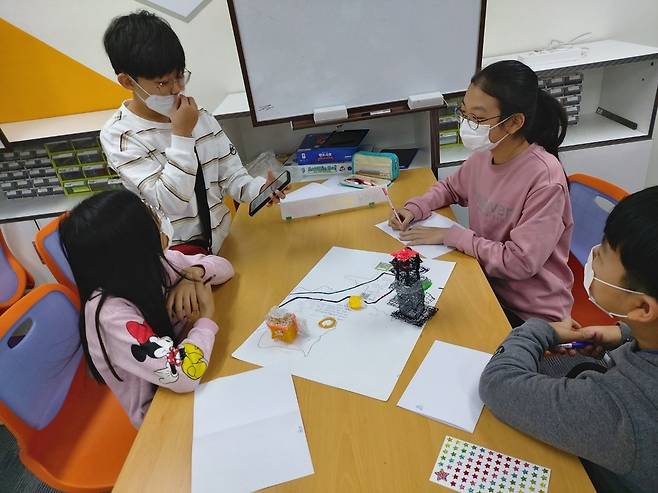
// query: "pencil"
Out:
[390,202]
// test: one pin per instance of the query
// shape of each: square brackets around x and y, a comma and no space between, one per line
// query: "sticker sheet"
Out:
[470,468]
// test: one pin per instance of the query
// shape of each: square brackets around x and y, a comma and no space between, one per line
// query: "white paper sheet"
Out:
[367,349]
[312,190]
[248,433]
[427,251]
[445,387]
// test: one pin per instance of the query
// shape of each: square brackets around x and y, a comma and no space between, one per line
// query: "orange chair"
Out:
[50,251]
[592,199]
[14,279]
[71,431]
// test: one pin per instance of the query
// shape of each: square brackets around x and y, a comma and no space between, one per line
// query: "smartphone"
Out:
[282,181]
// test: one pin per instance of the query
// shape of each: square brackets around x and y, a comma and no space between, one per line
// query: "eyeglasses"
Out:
[182,80]
[473,121]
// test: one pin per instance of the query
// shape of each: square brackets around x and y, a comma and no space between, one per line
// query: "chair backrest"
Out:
[13,277]
[50,250]
[592,199]
[40,352]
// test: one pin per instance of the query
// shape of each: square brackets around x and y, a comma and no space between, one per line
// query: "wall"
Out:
[512,25]
[75,28]
[519,25]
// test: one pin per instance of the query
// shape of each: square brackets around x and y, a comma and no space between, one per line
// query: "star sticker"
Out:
[441,475]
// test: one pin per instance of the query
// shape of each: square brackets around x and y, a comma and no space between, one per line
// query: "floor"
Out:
[14,477]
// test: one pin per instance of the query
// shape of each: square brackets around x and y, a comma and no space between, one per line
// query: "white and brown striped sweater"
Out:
[161,168]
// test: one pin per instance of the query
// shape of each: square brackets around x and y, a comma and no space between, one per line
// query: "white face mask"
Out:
[478,140]
[588,278]
[165,105]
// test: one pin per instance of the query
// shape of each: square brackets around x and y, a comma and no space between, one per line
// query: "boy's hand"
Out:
[277,195]
[406,215]
[184,118]
[423,235]
[600,337]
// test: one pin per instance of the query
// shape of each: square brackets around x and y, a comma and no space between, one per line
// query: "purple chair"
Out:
[40,352]
[14,279]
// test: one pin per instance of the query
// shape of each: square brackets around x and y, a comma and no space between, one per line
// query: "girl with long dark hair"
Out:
[147,311]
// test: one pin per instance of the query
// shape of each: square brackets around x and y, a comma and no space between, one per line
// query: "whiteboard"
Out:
[301,55]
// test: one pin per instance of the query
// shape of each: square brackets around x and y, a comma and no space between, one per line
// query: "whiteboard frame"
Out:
[356,113]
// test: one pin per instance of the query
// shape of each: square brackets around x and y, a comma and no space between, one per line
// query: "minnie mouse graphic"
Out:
[188,358]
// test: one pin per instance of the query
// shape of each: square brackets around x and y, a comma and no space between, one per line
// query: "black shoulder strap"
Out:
[202,203]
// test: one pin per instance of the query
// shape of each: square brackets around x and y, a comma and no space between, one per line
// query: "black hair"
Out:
[632,231]
[516,88]
[112,243]
[142,44]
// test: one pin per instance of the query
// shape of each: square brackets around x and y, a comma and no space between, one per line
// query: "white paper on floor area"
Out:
[367,349]
[445,387]
[248,433]
[435,221]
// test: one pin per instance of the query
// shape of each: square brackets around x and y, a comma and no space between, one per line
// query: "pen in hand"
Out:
[572,345]
[390,202]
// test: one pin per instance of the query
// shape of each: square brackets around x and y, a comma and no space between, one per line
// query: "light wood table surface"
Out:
[357,444]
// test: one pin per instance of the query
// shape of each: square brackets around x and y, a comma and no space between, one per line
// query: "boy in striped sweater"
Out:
[174,155]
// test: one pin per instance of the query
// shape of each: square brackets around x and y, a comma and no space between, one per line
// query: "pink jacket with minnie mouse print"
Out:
[143,361]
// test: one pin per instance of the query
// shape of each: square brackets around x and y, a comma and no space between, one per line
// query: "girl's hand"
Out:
[423,235]
[406,216]
[206,300]
[182,300]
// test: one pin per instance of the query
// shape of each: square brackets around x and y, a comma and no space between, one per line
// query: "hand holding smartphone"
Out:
[282,181]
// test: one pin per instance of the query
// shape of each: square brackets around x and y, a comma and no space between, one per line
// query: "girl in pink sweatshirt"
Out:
[147,311]
[516,192]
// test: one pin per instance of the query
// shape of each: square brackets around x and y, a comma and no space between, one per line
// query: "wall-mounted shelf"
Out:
[619,77]
[57,126]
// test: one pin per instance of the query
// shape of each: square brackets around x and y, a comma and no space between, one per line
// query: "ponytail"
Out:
[549,126]
[515,86]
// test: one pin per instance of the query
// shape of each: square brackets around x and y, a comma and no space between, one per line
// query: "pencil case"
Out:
[382,165]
